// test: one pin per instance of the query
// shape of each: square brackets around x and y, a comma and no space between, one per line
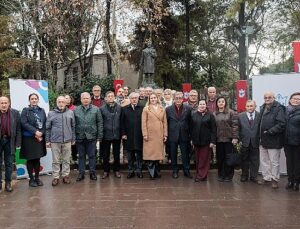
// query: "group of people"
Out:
[148,125]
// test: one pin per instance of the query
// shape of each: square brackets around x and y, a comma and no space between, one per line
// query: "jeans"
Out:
[6,148]
[185,155]
[135,156]
[86,147]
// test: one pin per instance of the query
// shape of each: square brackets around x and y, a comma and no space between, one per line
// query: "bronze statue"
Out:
[147,63]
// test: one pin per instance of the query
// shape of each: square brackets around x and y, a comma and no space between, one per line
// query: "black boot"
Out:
[296,186]
[289,185]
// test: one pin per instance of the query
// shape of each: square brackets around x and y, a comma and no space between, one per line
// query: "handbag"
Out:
[234,159]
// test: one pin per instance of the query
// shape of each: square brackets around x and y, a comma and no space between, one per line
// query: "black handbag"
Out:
[234,159]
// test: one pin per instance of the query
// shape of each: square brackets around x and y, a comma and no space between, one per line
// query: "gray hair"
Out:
[85,93]
[133,94]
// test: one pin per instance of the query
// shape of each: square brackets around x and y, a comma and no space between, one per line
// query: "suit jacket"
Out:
[15,130]
[248,134]
[178,128]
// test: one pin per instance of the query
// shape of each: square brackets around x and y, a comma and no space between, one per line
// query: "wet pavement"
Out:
[145,203]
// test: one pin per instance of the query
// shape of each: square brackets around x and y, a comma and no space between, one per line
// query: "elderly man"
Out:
[132,134]
[249,137]
[211,99]
[111,115]
[89,130]
[178,116]
[10,138]
[142,98]
[193,100]
[272,126]
[60,135]
[96,99]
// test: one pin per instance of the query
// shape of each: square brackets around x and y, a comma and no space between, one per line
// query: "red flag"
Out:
[241,95]
[118,84]
[296,47]
[186,88]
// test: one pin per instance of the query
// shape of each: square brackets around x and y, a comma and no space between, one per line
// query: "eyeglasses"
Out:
[268,97]
[178,98]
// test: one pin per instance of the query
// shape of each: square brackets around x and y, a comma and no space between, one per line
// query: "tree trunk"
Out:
[187,42]
[107,27]
[242,47]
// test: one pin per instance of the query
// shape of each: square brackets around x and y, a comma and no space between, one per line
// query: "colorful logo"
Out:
[40,86]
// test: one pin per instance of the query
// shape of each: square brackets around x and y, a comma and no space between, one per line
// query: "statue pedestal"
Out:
[148,81]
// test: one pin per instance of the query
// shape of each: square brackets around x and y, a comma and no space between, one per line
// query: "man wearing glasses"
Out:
[272,125]
[178,116]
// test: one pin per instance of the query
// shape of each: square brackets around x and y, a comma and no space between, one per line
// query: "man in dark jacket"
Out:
[10,138]
[178,116]
[249,137]
[60,135]
[131,121]
[111,115]
[272,126]
[89,130]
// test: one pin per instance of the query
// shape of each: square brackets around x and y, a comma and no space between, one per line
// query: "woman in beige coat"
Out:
[154,129]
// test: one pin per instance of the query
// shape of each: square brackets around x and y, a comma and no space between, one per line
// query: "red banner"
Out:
[296,47]
[186,88]
[118,84]
[241,95]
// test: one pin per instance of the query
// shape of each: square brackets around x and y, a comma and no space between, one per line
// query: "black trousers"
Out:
[106,144]
[33,165]
[223,150]
[135,160]
[292,154]
[250,161]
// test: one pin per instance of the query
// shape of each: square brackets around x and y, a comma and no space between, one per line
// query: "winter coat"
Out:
[60,126]
[89,123]
[203,128]
[131,126]
[154,126]
[272,126]
[292,130]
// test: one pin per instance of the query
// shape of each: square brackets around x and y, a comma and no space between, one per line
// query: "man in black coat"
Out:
[111,115]
[249,137]
[272,126]
[10,138]
[178,116]
[132,134]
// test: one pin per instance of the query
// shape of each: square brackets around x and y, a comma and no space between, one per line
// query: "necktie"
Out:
[251,121]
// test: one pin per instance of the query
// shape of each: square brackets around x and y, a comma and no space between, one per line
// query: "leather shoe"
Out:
[55,182]
[93,176]
[289,185]
[139,175]
[130,175]
[117,174]
[274,184]
[244,179]
[296,186]
[8,187]
[38,182]
[188,175]
[105,175]
[32,183]
[66,180]
[80,177]
[175,175]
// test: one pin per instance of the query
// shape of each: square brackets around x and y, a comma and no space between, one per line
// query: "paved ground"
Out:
[144,203]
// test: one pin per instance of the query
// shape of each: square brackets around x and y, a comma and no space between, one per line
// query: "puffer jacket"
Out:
[60,126]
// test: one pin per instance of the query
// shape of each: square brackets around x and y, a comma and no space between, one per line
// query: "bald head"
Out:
[4,104]
[269,97]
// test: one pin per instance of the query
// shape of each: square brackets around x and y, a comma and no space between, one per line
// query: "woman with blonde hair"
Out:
[154,129]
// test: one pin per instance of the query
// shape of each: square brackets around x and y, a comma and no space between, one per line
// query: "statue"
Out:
[147,64]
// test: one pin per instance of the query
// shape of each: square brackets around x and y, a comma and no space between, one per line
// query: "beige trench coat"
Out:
[154,125]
